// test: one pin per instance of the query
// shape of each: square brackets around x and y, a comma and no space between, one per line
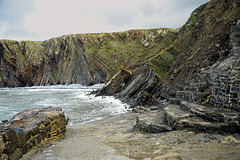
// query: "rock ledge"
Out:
[29,128]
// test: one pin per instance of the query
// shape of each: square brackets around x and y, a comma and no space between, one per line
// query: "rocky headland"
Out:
[176,80]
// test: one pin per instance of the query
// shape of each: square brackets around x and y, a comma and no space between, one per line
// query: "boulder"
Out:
[28,128]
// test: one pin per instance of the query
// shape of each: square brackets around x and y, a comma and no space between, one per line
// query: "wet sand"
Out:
[114,139]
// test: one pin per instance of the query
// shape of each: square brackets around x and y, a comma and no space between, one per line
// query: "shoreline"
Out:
[113,138]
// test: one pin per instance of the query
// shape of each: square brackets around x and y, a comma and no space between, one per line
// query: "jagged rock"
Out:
[145,99]
[140,88]
[117,82]
[144,84]
[28,128]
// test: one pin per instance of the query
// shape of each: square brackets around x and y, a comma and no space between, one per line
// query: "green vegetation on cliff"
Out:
[174,54]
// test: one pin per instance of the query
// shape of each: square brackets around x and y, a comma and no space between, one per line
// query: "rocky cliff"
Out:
[83,58]
[202,41]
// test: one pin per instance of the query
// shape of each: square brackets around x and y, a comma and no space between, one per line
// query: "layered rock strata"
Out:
[80,58]
[29,128]
[117,82]
[139,88]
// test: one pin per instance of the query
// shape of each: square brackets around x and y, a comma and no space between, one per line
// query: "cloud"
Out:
[43,19]
[119,17]
[149,9]
[12,13]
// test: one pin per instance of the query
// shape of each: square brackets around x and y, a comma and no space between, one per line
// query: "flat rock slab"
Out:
[173,114]
[211,113]
[151,122]
[189,116]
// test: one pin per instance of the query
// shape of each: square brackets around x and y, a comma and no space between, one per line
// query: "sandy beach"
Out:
[113,138]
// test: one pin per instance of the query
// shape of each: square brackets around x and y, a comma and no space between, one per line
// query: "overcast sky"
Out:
[44,19]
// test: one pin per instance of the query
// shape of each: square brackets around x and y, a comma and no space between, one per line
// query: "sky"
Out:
[44,19]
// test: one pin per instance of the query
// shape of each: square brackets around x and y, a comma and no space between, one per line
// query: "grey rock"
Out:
[151,123]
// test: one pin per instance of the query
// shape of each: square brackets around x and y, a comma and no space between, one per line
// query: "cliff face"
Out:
[84,58]
[56,61]
[201,39]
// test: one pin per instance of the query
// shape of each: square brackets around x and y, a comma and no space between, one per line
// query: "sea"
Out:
[75,100]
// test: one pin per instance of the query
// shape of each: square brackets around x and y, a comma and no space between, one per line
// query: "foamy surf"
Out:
[74,99]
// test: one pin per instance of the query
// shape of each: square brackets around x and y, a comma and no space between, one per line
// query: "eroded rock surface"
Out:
[29,128]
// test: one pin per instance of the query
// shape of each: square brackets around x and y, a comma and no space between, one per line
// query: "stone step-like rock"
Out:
[180,119]
[210,113]
[199,125]
[151,122]
[192,96]
[173,114]
[197,118]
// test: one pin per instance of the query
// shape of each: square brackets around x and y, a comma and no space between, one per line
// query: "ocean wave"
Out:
[71,86]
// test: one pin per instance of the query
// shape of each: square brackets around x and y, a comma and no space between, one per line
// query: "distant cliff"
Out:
[82,58]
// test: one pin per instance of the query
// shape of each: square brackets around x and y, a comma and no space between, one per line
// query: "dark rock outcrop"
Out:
[29,128]
[191,116]
[143,88]
[116,83]
[140,88]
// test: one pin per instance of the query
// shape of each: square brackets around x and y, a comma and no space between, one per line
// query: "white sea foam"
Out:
[74,99]
[71,86]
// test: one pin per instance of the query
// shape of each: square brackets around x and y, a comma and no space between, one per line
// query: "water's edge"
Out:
[75,100]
